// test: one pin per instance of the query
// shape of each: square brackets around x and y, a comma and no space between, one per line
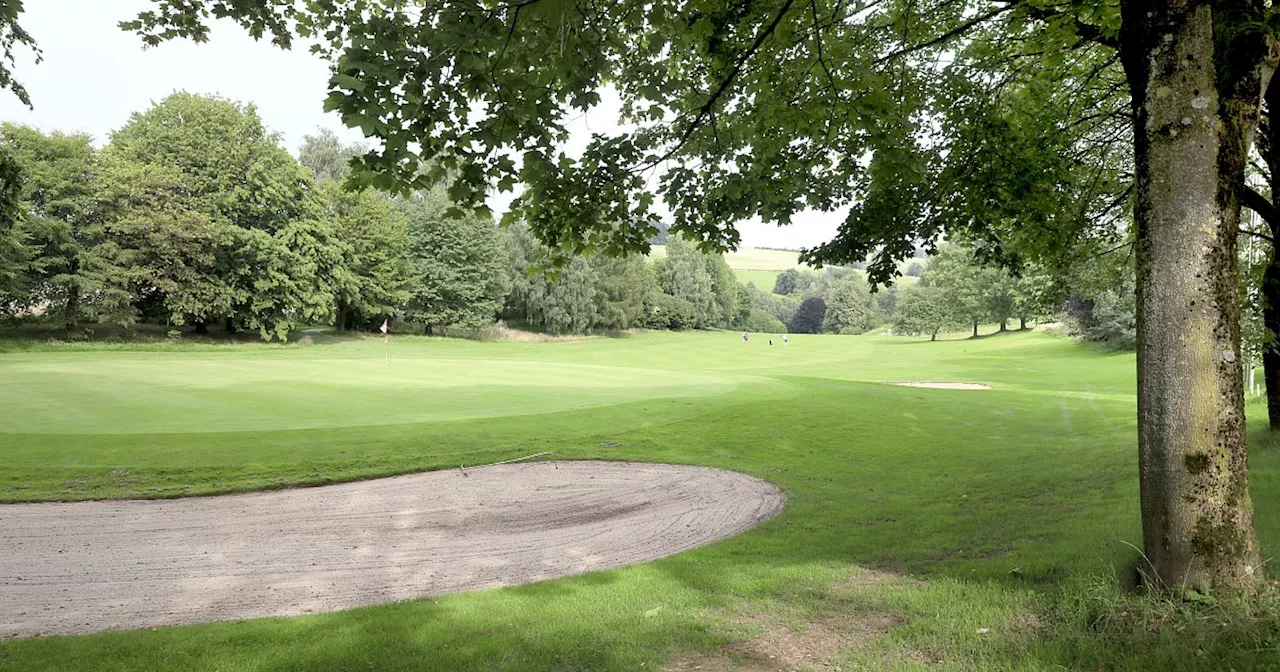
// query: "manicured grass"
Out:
[763,280]
[923,528]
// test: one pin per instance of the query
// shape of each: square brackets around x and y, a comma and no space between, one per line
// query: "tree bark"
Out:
[202,327]
[1271,276]
[1022,324]
[1004,325]
[1192,125]
[340,324]
[229,324]
[975,329]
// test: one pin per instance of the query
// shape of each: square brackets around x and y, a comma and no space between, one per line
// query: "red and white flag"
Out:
[383,328]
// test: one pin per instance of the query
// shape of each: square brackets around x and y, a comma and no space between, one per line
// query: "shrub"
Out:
[762,322]
[670,312]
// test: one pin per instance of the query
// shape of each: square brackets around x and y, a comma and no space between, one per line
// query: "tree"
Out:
[924,310]
[968,284]
[375,275]
[671,312]
[459,273]
[685,276]
[730,101]
[850,307]
[1033,295]
[786,282]
[15,251]
[255,196]
[76,270]
[724,289]
[625,287]
[327,157]
[173,260]
[809,316]
[763,323]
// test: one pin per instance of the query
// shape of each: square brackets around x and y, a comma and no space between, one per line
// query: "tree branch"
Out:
[945,37]
[1250,198]
[724,84]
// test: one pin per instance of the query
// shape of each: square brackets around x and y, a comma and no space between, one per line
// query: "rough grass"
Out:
[924,528]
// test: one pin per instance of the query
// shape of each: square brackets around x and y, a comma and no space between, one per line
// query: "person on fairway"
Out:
[784,340]
[744,337]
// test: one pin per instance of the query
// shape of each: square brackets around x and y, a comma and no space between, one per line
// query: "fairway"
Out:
[351,385]
[918,515]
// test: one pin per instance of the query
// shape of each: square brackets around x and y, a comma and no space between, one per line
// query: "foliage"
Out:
[924,311]
[671,312]
[561,303]
[259,202]
[761,322]
[685,275]
[625,288]
[809,316]
[786,282]
[779,306]
[850,307]
[15,251]
[376,276]
[327,157]
[458,269]
[173,260]
[77,271]
[13,35]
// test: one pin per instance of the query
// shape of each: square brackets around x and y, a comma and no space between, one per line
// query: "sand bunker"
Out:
[93,566]
[948,386]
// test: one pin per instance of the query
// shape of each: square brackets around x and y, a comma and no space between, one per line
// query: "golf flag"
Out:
[386,343]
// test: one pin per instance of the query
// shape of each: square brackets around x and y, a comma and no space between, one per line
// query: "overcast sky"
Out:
[94,76]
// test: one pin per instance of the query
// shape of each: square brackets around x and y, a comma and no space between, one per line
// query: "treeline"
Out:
[193,216]
[835,300]
[955,292]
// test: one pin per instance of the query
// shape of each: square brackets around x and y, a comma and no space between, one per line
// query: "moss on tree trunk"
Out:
[1192,125]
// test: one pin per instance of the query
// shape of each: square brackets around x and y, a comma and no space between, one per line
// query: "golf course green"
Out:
[923,528]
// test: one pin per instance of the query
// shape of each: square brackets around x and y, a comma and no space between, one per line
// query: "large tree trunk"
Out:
[1271,319]
[1022,324]
[975,328]
[340,324]
[1192,125]
[1271,276]
[1004,325]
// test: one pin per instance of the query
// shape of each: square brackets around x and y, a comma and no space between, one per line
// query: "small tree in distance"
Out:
[923,311]
[808,317]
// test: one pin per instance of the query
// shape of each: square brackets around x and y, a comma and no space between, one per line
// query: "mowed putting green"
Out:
[923,528]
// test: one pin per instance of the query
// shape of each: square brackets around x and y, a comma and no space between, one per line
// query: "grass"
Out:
[923,528]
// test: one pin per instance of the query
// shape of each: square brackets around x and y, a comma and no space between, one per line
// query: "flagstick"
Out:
[386,350]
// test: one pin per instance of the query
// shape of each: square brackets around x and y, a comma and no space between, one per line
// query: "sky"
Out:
[95,75]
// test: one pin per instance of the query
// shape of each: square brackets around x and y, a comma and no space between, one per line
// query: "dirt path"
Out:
[93,566]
